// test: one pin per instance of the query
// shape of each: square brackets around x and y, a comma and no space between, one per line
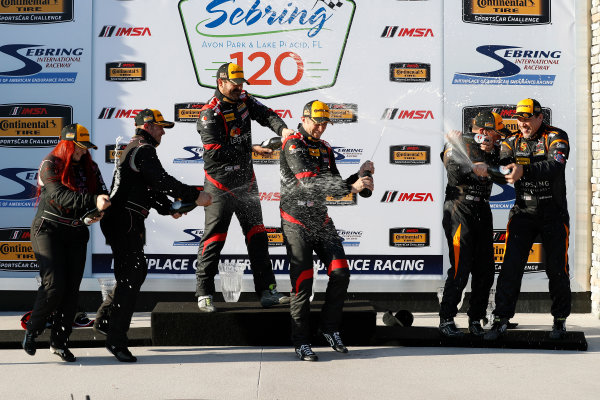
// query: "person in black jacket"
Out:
[308,175]
[467,222]
[537,156]
[69,187]
[139,184]
[224,126]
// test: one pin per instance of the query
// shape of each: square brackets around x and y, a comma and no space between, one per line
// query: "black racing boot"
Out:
[475,327]
[305,353]
[559,329]
[122,353]
[101,326]
[448,328]
[64,353]
[498,329]
[29,342]
[335,341]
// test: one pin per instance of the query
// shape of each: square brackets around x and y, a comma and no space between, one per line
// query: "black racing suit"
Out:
[139,183]
[540,208]
[59,240]
[469,230]
[308,176]
[229,177]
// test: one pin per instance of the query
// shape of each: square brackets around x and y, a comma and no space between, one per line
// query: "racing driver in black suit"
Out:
[537,156]
[308,176]
[224,126]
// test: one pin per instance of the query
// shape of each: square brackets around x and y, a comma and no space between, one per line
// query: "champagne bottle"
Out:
[179,207]
[273,143]
[498,173]
[366,192]
[90,215]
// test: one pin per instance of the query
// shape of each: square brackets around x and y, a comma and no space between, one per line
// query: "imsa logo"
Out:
[409,237]
[275,236]
[112,30]
[270,196]
[348,200]
[393,195]
[410,72]
[16,253]
[271,158]
[113,112]
[507,12]
[188,112]
[396,113]
[125,71]
[535,261]
[33,124]
[35,12]
[410,154]
[343,112]
[397,31]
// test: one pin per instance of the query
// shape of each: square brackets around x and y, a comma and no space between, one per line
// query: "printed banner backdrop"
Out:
[45,84]
[396,74]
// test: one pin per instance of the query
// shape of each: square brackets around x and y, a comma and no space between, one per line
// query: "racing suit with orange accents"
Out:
[540,208]
[308,176]
[469,230]
[229,177]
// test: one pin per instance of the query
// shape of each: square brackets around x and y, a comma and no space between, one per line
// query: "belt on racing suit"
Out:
[529,200]
[72,222]
[130,205]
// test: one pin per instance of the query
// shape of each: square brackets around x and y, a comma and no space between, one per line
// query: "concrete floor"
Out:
[275,373]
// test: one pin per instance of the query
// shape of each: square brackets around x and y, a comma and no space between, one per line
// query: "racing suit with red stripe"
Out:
[308,176]
[469,230]
[229,177]
[540,208]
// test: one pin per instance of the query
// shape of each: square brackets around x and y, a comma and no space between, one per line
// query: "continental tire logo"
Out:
[33,124]
[275,236]
[16,253]
[409,237]
[271,158]
[113,152]
[348,200]
[410,154]
[125,71]
[343,112]
[410,72]
[188,112]
[507,12]
[535,261]
[35,12]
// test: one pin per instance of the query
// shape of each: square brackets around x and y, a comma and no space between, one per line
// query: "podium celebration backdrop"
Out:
[397,74]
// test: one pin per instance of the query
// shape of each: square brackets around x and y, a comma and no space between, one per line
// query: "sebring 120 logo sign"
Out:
[283,46]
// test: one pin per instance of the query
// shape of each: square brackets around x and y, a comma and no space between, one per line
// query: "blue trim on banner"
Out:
[43,77]
[522,79]
[183,264]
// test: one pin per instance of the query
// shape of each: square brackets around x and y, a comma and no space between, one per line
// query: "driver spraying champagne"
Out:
[467,221]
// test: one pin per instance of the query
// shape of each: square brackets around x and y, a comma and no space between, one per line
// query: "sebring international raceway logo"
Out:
[36,63]
[18,187]
[520,66]
[195,156]
[195,235]
[347,155]
[283,46]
